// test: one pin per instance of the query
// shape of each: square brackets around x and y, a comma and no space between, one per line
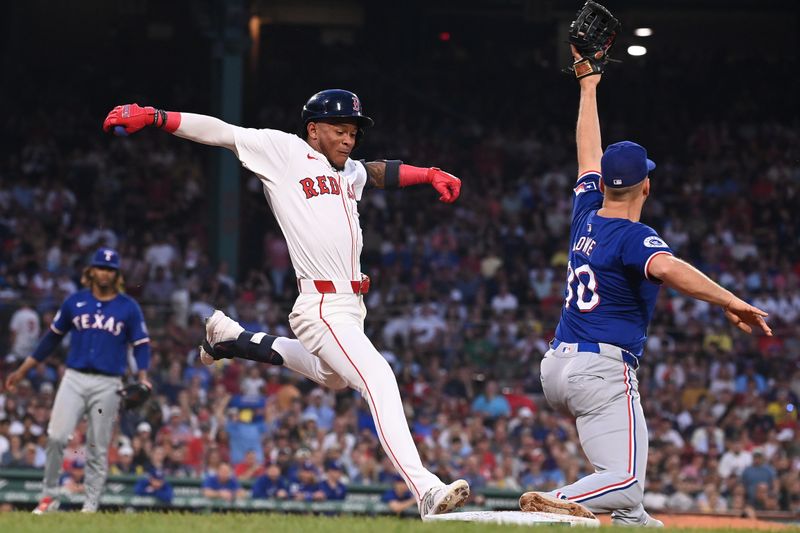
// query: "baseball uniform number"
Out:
[578,276]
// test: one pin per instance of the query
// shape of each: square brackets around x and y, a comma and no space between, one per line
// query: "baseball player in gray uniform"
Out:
[102,323]
[616,267]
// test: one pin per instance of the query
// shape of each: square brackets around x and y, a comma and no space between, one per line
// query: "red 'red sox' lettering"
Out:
[324,185]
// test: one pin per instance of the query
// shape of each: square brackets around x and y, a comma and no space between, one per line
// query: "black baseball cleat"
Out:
[226,339]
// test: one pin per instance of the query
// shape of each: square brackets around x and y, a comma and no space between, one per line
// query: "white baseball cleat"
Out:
[47,505]
[545,503]
[219,328]
[443,499]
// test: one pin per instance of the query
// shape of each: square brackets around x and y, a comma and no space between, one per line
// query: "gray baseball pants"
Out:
[602,392]
[79,394]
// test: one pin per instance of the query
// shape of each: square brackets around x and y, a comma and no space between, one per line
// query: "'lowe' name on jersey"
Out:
[100,331]
[608,297]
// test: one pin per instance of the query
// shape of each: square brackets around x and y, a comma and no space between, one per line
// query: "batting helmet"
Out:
[335,103]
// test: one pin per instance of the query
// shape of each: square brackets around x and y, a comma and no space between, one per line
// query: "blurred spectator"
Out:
[332,486]
[248,469]
[25,330]
[735,460]
[271,484]
[155,484]
[756,474]
[491,403]
[306,488]
[124,463]
[323,414]
[72,480]
[223,485]
[399,498]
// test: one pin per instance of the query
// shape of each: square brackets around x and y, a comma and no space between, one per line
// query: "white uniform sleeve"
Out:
[356,173]
[265,152]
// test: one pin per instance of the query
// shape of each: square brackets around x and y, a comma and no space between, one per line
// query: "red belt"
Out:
[321,286]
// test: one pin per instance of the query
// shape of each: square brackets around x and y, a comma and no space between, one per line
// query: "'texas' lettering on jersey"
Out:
[324,185]
[98,321]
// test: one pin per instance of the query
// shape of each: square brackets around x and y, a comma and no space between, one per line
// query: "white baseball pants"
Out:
[334,351]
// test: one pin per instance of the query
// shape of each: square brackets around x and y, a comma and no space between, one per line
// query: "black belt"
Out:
[594,347]
[95,372]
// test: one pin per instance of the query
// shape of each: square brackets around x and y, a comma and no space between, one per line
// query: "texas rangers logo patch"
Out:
[654,242]
[585,186]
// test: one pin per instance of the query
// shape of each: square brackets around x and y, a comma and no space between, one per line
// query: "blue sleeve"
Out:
[164,493]
[137,330]
[208,483]
[259,488]
[46,345]
[234,484]
[587,193]
[141,352]
[641,245]
[388,496]
[141,487]
[62,322]
[137,336]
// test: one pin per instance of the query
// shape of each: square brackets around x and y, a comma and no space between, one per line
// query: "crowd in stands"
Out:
[464,300]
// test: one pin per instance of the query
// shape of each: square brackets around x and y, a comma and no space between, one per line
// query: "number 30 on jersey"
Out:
[585,280]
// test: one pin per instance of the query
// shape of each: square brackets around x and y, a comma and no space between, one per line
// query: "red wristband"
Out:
[410,175]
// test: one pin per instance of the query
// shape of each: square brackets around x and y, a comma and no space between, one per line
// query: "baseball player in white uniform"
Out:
[312,187]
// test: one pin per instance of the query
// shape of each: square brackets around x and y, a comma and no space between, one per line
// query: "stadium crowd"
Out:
[463,303]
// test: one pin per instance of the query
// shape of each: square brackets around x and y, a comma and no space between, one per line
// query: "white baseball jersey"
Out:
[315,205]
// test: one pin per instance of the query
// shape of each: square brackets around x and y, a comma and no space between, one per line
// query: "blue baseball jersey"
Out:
[100,331]
[608,297]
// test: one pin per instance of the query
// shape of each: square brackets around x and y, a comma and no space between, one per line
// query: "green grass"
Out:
[68,522]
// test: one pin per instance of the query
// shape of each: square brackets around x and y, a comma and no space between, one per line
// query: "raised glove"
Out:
[592,33]
[132,117]
[134,395]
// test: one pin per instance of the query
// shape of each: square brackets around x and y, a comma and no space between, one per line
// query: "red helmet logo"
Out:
[356,105]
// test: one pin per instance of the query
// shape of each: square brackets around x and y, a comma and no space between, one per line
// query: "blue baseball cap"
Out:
[105,257]
[334,465]
[624,164]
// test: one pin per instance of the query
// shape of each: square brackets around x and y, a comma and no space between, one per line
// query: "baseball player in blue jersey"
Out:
[102,323]
[616,267]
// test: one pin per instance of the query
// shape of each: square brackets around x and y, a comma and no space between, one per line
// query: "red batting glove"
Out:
[132,118]
[447,185]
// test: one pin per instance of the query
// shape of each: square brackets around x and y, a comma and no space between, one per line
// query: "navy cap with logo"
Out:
[625,164]
[105,257]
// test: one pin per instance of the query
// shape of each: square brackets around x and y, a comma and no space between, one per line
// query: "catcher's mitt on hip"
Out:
[592,33]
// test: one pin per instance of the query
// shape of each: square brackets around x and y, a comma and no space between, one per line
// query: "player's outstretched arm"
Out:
[685,278]
[587,135]
[46,345]
[130,118]
[392,174]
